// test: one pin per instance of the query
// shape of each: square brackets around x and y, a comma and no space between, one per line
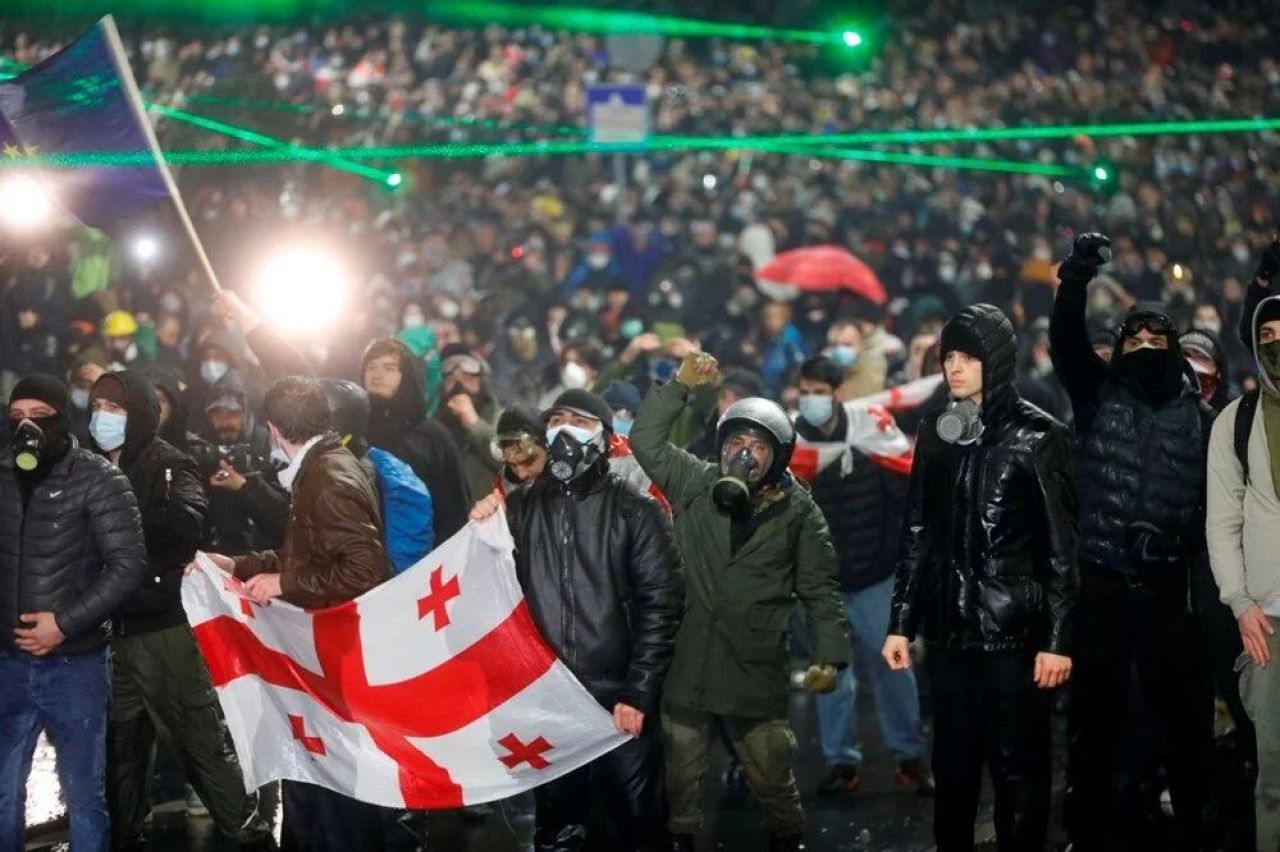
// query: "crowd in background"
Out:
[503,282]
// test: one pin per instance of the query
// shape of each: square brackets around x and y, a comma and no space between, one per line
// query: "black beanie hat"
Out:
[583,402]
[50,390]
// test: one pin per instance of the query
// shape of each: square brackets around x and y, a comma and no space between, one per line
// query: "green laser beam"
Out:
[936,161]
[417,118]
[246,135]
[625,23]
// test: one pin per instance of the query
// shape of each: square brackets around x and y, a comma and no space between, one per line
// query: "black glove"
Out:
[1269,265]
[1151,546]
[1088,252]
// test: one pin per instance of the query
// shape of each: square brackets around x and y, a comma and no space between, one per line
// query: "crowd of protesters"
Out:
[499,305]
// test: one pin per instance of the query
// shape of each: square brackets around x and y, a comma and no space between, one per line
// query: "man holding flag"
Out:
[333,552]
[862,496]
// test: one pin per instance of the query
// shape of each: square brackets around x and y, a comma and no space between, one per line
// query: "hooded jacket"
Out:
[989,540]
[401,426]
[1139,461]
[1242,526]
[172,503]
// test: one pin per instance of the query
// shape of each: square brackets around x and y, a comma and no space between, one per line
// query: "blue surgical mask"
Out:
[816,408]
[622,426]
[843,355]
[107,429]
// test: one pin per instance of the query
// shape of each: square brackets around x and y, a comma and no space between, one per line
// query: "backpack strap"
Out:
[1244,427]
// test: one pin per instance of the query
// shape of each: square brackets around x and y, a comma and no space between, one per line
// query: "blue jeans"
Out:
[69,697]
[897,701]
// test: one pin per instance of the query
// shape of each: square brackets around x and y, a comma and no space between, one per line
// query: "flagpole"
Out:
[133,98]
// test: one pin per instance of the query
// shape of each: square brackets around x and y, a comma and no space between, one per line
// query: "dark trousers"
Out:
[988,710]
[162,689]
[66,697]
[628,785]
[1145,636]
[317,819]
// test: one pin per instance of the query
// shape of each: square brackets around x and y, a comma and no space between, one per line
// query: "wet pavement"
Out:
[880,816]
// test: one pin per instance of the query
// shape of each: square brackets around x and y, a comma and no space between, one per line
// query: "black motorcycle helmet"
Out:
[348,407]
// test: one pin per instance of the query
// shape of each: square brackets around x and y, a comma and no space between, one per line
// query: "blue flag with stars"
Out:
[82,99]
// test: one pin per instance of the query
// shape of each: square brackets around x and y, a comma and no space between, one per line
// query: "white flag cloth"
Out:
[433,690]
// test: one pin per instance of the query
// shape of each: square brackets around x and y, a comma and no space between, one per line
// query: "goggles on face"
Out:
[466,363]
[514,449]
[1151,323]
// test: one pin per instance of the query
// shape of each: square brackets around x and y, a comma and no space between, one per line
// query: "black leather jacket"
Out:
[989,550]
[599,567]
[75,549]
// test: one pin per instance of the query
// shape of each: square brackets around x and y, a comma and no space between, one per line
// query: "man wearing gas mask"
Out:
[753,543]
[70,528]
[600,570]
[988,577]
[1142,435]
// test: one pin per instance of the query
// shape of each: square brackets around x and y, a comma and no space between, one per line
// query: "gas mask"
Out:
[572,450]
[739,475]
[28,445]
[960,423]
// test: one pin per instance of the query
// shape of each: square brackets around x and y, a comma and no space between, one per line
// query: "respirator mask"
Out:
[572,450]
[740,473]
[960,423]
[28,445]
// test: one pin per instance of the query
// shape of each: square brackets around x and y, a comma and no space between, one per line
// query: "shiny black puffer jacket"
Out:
[989,550]
[599,567]
[75,550]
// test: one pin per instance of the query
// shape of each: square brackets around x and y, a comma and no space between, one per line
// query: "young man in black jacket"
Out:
[988,576]
[599,567]
[159,680]
[1142,441]
[71,553]
[862,502]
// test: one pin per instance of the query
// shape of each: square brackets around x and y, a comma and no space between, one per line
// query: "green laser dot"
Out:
[394,179]
[1100,173]
[850,38]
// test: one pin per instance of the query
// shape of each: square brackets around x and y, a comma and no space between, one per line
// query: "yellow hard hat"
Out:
[119,324]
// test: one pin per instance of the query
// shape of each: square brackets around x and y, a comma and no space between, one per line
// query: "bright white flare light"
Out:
[302,290]
[24,205]
[146,248]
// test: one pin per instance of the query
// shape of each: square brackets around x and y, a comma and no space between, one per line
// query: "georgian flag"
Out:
[433,690]
[872,432]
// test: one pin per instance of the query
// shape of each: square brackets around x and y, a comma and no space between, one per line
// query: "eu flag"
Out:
[83,99]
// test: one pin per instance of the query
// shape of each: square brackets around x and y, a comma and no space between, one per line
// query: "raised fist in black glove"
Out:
[1150,545]
[1269,266]
[1088,252]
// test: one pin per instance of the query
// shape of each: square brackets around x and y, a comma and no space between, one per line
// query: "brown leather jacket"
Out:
[333,548]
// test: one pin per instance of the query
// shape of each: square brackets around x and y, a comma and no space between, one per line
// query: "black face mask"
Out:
[38,442]
[1155,371]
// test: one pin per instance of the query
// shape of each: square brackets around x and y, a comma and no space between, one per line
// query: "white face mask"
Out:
[80,398]
[213,371]
[574,376]
[582,436]
[597,261]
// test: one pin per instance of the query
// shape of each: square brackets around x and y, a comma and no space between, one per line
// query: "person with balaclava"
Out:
[599,567]
[1243,531]
[1142,436]
[469,412]
[398,423]
[988,577]
[71,554]
[161,688]
[754,545]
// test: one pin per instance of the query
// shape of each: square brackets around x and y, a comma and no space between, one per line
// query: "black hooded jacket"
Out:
[599,566]
[401,427]
[173,504]
[989,541]
[1141,457]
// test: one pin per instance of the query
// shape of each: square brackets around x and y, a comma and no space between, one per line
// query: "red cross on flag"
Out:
[872,432]
[433,690]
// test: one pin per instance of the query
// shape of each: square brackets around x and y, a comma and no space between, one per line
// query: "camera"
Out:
[208,458]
